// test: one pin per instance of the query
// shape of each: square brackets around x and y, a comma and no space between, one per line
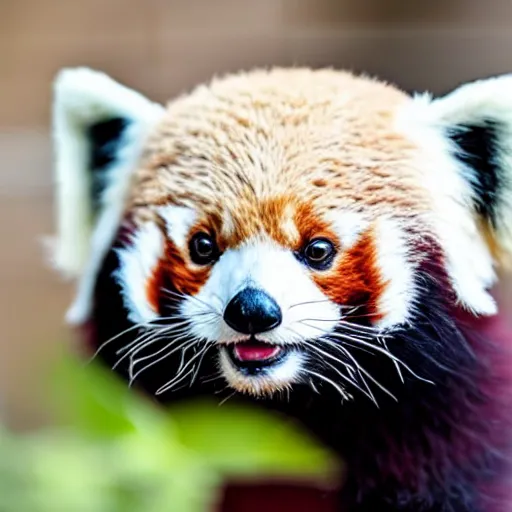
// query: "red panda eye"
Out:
[203,249]
[319,253]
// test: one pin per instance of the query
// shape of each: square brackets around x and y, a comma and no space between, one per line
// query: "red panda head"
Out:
[270,214]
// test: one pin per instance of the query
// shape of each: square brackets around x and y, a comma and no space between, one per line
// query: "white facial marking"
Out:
[138,262]
[397,271]
[288,225]
[348,226]
[179,220]
[228,224]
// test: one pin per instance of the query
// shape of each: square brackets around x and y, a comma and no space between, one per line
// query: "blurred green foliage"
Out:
[113,451]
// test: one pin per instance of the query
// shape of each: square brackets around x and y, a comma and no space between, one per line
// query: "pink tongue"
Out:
[254,351]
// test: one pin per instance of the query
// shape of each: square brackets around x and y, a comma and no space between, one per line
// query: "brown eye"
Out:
[203,249]
[319,253]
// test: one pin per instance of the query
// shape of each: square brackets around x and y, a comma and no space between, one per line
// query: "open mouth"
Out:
[253,355]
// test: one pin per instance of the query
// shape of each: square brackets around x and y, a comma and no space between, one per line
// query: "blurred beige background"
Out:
[162,47]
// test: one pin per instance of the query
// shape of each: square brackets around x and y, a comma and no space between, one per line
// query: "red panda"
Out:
[319,243]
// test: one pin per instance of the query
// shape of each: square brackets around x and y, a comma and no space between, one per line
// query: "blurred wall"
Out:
[162,47]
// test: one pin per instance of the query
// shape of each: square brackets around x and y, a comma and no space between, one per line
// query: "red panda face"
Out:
[254,222]
[273,215]
[263,298]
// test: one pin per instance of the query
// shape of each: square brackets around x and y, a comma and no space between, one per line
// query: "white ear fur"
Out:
[472,102]
[83,97]
[477,103]
[467,139]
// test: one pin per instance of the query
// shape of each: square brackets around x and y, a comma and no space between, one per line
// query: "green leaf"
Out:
[236,439]
[58,471]
[116,452]
[230,438]
[97,403]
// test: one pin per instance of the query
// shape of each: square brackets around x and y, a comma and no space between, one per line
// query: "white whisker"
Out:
[158,352]
[360,370]
[216,376]
[308,303]
[367,332]
[142,342]
[224,400]
[156,330]
[395,363]
[191,297]
[117,336]
[312,384]
[198,366]
[367,374]
[390,356]
[344,395]
[187,344]
[376,348]
[368,393]
[173,382]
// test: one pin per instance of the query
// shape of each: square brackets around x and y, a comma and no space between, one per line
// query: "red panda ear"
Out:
[100,127]
[477,118]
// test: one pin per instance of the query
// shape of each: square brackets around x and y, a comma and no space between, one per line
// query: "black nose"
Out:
[252,311]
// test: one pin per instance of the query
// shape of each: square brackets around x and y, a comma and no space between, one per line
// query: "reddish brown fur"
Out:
[272,216]
[154,286]
[355,278]
[312,226]
[185,279]
[174,268]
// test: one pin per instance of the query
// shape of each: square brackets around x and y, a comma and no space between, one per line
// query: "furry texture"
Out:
[381,346]
[438,447]
[83,100]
